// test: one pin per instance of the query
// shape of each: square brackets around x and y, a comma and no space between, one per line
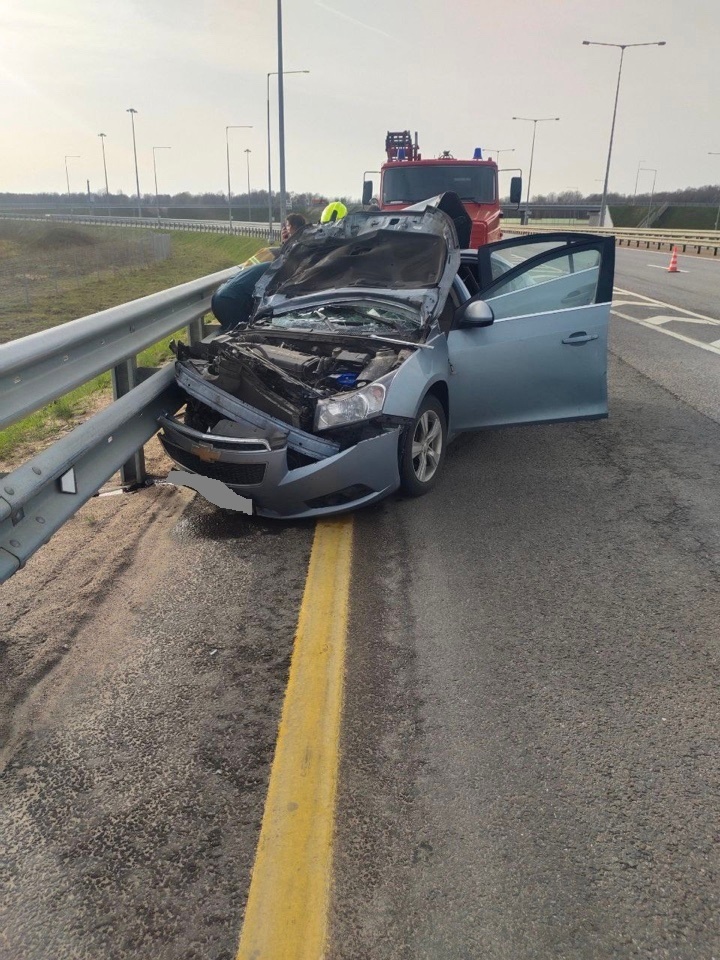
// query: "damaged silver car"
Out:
[374,341]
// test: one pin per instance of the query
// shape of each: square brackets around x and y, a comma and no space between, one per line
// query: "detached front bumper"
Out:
[251,467]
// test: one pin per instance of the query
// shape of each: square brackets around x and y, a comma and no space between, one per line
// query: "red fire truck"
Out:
[406,179]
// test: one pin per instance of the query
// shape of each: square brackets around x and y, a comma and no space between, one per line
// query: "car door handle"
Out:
[580,337]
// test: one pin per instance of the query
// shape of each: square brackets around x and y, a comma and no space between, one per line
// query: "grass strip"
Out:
[194,255]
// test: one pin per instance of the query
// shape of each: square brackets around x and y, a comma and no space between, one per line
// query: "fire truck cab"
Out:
[406,179]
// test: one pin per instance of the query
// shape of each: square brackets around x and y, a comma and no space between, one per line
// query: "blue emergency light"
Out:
[478,153]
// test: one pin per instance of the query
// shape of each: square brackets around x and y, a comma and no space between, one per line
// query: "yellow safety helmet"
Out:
[333,211]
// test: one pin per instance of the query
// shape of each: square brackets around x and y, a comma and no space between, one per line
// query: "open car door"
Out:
[543,356]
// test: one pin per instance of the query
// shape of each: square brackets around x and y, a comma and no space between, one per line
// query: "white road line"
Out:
[715,343]
[663,318]
[631,303]
[710,347]
[670,306]
[658,266]
[665,253]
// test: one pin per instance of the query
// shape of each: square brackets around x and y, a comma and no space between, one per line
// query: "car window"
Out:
[565,281]
[411,184]
[510,257]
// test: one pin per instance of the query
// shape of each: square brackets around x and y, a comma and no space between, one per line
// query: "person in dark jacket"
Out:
[232,302]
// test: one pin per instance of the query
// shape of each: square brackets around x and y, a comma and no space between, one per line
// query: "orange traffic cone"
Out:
[673,268]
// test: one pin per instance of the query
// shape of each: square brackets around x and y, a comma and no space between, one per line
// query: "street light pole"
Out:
[715,153]
[102,141]
[270,216]
[622,47]
[281,112]
[535,121]
[248,151]
[641,162]
[69,156]
[498,152]
[273,73]
[132,113]
[157,199]
[233,126]
[652,192]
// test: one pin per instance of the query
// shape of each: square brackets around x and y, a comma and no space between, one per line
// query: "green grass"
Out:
[66,410]
[674,218]
[193,255]
[627,217]
[688,218]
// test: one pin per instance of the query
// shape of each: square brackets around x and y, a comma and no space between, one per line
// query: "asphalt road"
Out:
[645,272]
[143,710]
[530,763]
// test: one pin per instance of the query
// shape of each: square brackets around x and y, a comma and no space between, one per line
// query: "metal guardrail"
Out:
[699,240]
[236,228]
[38,497]
[708,241]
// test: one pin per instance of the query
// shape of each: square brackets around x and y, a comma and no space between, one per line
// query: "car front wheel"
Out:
[423,450]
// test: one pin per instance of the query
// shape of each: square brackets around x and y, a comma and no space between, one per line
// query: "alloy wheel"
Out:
[427,446]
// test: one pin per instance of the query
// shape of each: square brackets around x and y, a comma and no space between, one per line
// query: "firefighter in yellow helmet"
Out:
[333,211]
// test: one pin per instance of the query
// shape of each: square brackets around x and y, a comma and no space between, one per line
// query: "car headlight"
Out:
[350,407]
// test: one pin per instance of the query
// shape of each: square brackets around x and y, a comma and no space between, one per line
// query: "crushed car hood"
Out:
[407,256]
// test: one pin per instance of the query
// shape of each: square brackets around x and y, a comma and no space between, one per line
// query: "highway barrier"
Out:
[694,241]
[236,228]
[42,494]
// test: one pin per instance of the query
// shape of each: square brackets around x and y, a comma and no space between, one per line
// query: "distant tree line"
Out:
[687,195]
[201,205]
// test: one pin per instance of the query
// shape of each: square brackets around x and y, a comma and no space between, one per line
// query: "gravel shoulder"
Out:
[145,660]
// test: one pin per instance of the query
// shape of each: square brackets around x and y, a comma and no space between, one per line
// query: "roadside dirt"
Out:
[144,663]
[71,584]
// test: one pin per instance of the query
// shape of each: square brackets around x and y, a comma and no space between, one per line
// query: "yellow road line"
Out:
[287,909]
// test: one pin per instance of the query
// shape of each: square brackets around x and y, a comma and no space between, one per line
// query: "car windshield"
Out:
[411,184]
[356,317]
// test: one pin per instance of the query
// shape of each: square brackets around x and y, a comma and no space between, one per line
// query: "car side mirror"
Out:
[474,313]
[516,190]
[367,192]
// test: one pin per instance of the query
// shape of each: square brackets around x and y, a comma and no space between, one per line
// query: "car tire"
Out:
[422,452]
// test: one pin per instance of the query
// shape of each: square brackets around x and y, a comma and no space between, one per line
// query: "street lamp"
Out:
[102,141]
[273,73]
[248,151]
[622,47]
[715,153]
[69,156]
[652,192]
[281,111]
[132,113]
[498,152]
[640,163]
[535,122]
[233,126]
[157,199]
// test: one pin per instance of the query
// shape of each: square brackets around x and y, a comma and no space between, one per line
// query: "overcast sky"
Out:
[454,70]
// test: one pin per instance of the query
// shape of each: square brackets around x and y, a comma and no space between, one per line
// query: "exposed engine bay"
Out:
[285,374]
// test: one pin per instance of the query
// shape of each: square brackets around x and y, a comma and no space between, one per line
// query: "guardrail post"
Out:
[124,379]
[196,330]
